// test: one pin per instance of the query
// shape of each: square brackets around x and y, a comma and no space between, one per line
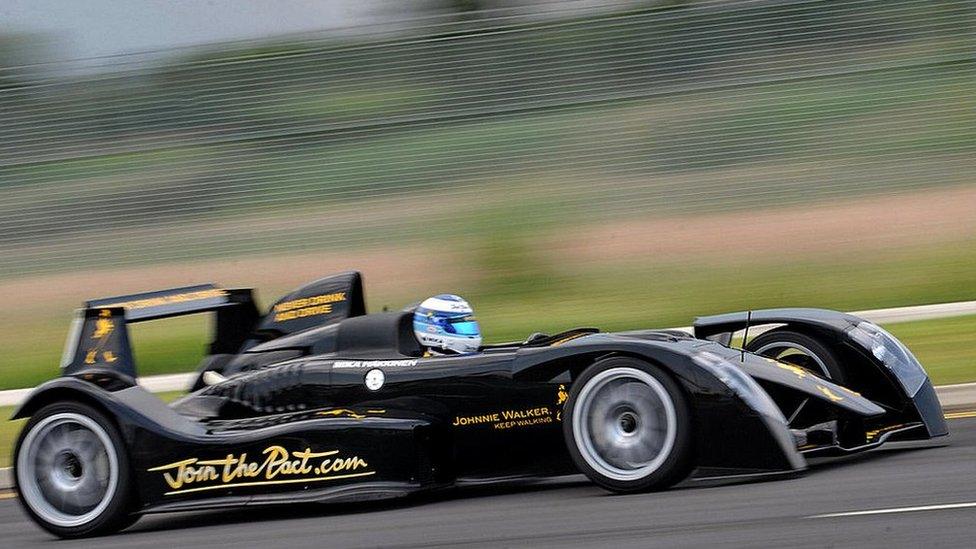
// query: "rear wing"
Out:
[99,338]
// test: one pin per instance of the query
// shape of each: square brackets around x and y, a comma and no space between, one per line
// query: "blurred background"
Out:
[562,163]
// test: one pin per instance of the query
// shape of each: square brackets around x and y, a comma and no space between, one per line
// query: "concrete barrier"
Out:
[961,396]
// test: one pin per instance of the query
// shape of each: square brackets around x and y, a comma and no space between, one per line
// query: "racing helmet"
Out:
[446,322]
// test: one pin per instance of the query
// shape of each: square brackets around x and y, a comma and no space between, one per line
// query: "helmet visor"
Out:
[462,325]
[468,328]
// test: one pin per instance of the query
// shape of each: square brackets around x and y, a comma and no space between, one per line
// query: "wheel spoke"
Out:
[67,469]
[624,423]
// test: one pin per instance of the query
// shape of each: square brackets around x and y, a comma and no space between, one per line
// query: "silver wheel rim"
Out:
[67,469]
[624,423]
[780,350]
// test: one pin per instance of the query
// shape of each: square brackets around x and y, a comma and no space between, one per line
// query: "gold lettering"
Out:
[307,306]
[169,299]
[302,313]
[509,418]
[311,301]
[474,420]
[278,466]
[522,414]
[186,473]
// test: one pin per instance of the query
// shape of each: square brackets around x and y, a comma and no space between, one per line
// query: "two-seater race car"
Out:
[318,401]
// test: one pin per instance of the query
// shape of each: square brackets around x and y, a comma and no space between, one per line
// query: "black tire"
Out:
[658,400]
[111,497]
[822,361]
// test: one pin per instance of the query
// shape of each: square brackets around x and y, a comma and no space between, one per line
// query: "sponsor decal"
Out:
[834,397]
[374,363]
[374,379]
[347,413]
[170,299]
[849,391]
[307,306]
[527,417]
[103,324]
[800,372]
[103,330]
[561,395]
[276,466]
[508,419]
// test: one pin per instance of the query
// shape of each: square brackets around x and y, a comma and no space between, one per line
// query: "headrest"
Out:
[378,334]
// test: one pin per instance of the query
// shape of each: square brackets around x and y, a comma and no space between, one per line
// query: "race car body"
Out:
[319,401]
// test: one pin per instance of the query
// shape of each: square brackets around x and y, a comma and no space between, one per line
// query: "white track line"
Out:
[896,510]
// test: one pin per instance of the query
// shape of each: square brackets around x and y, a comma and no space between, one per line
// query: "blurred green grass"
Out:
[643,294]
[169,346]
[520,292]
[944,346]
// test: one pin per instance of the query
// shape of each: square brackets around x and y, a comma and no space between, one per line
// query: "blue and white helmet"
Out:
[446,322]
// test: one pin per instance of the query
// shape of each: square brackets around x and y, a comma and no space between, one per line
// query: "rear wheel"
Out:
[628,427]
[800,350]
[73,472]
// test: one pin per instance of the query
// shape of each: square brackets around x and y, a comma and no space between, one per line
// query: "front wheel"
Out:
[73,472]
[628,427]
[800,350]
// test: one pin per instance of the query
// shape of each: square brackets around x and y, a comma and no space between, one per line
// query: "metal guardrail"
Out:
[177,382]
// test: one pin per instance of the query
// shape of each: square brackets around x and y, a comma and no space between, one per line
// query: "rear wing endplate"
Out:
[99,337]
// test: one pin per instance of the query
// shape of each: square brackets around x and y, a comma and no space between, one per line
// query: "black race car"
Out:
[319,401]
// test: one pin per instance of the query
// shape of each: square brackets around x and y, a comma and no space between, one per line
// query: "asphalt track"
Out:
[573,513]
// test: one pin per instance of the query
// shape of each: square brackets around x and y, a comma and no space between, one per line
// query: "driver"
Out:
[445,324]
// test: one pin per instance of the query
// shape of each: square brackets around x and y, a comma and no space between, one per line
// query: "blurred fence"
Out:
[595,111]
